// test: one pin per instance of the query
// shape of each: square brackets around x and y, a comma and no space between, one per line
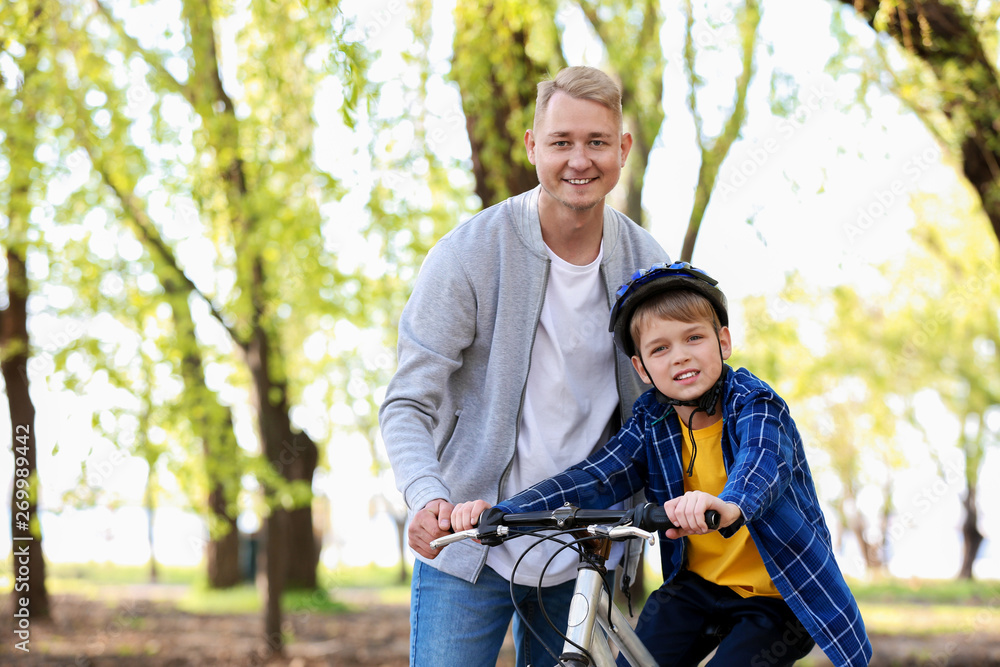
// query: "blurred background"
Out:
[212,213]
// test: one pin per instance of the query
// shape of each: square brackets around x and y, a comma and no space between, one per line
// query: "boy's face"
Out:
[682,357]
[578,150]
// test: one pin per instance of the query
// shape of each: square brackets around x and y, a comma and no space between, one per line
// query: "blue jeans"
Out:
[457,624]
[757,631]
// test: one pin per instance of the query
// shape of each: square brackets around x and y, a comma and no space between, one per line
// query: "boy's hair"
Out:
[680,305]
[582,83]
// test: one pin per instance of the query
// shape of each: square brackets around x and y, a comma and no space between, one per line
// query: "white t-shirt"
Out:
[569,399]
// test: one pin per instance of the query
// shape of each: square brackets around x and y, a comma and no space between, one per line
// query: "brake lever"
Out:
[621,533]
[469,534]
[489,538]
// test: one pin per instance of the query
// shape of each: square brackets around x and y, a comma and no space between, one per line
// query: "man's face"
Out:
[578,150]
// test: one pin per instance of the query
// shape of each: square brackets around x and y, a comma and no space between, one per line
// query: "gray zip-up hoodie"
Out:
[451,413]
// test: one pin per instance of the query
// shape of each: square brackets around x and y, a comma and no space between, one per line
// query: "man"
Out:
[507,373]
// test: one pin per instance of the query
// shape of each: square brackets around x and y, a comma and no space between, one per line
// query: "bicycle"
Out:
[590,631]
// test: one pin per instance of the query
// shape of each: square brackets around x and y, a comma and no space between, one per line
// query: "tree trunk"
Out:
[214,425]
[972,539]
[150,501]
[303,540]
[20,144]
[292,455]
[275,566]
[497,110]
[222,553]
[26,529]
[855,522]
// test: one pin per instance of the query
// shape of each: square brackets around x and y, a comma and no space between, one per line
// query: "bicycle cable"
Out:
[588,559]
[554,537]
[591,563]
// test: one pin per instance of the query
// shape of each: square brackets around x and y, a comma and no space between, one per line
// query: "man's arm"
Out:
[436,326]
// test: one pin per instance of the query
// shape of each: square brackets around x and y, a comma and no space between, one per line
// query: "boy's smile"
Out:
[682,359]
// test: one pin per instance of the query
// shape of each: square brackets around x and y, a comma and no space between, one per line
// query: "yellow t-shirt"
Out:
[733,562]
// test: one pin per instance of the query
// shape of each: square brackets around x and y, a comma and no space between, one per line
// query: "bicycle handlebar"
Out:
[494,525]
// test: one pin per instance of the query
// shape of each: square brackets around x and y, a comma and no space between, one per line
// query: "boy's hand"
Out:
[687,512]
[466,515]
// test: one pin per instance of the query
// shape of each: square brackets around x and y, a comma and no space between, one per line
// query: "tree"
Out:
[839,400]
[501,52]
[256,188]
[947,331]
[19,119]
[630,32]
[713,151]
[26,532]
[953,40]
[935,331]
[240,149]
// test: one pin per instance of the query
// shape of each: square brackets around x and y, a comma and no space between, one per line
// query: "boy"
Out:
[707,437]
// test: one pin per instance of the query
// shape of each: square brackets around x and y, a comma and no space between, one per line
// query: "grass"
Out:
[370,584]
[244,599]
[889,606]
[928,591]
[111,573]
[921,607]
[929,606]
[930,619]
[89,579]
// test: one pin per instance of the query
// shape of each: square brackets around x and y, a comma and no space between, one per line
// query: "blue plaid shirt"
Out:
[768,478]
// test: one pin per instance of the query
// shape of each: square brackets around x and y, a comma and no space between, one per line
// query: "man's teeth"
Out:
[685,376]
[580,181]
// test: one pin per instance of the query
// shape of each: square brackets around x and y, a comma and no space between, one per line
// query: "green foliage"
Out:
[935,328]
[499,57]
[713,150]
[944,68]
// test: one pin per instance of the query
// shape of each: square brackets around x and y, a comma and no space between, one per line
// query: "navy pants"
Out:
[676,620]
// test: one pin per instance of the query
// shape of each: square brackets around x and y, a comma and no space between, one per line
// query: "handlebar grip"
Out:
[655,518]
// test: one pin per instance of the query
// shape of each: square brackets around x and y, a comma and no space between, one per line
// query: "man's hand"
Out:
[687,512]
[466,515]
[430,523]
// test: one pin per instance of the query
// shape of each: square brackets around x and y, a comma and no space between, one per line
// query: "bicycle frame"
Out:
[589,626]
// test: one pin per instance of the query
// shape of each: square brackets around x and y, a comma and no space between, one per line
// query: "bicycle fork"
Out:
[589,610]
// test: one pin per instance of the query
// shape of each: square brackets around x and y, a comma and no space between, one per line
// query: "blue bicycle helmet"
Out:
[657,279]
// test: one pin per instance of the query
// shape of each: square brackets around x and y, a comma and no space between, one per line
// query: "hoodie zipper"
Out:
[524,387]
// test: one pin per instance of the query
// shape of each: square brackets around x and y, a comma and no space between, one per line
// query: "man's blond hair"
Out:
[582,83]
